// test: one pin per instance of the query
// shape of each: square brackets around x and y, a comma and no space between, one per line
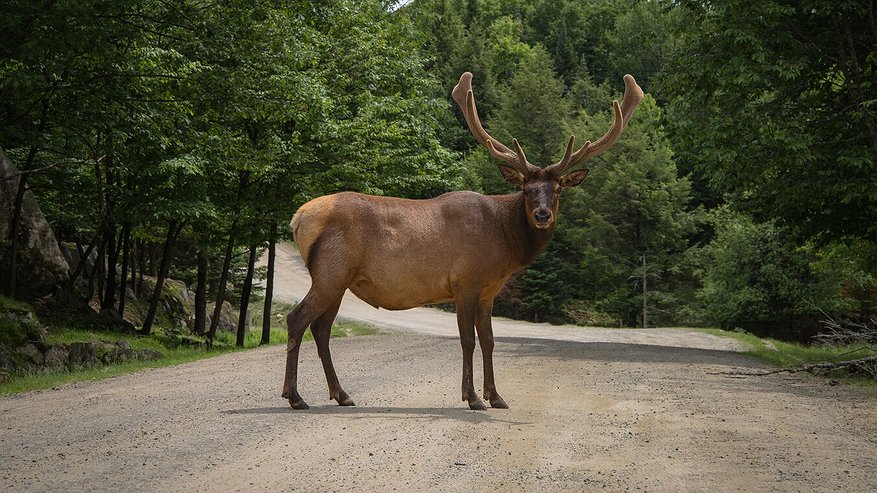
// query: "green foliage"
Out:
[17,325]
[754,279]
[774,102]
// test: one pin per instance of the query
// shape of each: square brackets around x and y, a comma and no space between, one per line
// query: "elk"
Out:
[461,246]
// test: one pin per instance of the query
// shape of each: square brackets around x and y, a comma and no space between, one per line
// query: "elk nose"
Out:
[542,217]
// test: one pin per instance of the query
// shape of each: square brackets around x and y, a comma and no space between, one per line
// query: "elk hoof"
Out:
[499,403]
[299,404]
[477,405]
[344,400]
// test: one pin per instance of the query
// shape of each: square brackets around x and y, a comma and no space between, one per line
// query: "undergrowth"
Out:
[784,354]
[174,349]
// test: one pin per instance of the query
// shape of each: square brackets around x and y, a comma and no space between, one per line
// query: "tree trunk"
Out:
[13,236]
[98,274]
[173,232]
[17,206]
[126,257]
[133,263]
[245,297]
[83,258]
[223,279]
[141,250]
[243,183]
[645,295]
[153,262]
[269,286]
[109,298]
[201,293]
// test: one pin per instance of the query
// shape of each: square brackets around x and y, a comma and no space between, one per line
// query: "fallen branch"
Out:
[867,364]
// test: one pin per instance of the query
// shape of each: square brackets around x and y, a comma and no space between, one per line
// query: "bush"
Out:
[755,279]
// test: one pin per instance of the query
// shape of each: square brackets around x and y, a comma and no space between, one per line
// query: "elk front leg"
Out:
[485,339]
[466,324]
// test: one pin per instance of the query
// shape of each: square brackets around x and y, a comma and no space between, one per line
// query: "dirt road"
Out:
[586,415]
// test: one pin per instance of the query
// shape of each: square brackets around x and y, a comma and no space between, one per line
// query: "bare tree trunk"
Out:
[17,206]
[269,285]
[126,256]
[645,294]
[173,232]
[133,263]
[153,262]
[13,236]
[109,298]
[201,293]
[141,250]
[245,297]
[243,183]
[223,279]
[99,268]
[83,258]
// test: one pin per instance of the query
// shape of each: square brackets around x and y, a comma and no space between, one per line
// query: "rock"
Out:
[122,354]
[41,265]
[56,357]
[7,363]
[177,303]
[72,256]
[81,353]
[228,318]
[31,354]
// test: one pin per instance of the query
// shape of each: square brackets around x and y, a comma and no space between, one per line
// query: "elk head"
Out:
[542,186]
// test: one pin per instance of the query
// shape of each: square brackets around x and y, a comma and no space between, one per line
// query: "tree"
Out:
[632,206]
[774,103]
[754,279]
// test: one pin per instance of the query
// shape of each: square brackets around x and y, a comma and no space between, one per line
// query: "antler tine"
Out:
[633,94]
[561,165]
[465,98]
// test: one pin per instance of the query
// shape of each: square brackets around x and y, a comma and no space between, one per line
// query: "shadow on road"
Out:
[620,352]
[366,412]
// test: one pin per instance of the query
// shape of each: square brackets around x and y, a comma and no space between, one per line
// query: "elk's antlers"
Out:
[465,99]
[633,94]
[462,94]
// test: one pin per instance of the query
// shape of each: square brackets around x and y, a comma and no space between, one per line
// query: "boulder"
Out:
[56,357]
[41,265]
[81,354]
[228,317]
[31,354]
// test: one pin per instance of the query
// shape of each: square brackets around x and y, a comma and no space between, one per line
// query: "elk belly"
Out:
[394,293]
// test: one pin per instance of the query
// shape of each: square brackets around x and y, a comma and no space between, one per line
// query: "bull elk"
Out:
[461,246]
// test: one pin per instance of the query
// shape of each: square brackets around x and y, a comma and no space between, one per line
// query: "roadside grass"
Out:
[784,354]
[174,350]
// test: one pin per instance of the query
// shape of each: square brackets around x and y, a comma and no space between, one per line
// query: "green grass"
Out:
[785,354]
[175,352]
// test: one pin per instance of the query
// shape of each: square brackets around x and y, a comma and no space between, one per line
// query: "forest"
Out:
[174,139]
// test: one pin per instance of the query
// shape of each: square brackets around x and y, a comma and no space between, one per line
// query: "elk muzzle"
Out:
[542,218]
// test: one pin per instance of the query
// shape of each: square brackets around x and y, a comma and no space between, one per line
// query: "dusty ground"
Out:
[622,414]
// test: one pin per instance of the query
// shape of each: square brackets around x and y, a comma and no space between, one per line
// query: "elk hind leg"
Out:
[322,328]
[312,306]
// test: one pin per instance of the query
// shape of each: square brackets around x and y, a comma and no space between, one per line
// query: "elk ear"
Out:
[511,175]
[574,179]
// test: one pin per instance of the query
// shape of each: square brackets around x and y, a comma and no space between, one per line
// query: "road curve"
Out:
[292,282]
